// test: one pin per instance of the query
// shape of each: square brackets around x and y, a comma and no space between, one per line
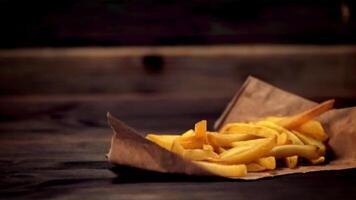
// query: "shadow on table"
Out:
[127,174]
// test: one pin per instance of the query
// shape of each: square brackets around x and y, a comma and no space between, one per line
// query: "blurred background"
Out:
[162,64]
[167,22]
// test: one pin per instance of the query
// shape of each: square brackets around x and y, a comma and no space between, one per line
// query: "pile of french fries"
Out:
[239,148]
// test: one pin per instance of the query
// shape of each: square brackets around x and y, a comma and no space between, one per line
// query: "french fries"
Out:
[301,118]
[267,162]
[254,167]
[239,148]
[291,161]
[249,155]
[164,141]
[304,151]
[223,170]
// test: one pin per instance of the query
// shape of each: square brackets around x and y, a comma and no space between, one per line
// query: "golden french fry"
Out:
[304,151]
[317,161]
[225,140]
[188,133]
[254,167]
[301,118]
[251,129]
[313,129]
[199,154]
[233,151]
[192,154]
[227,126]
[250,154]
[248,142]
[191,142]
[208,147]
[293,138]
[220,150]
[291,161]
[239,148]
[223,170]
[267,162]
[282,138]
[177,147]
[311,141]
[271,123]
[165,141]
[200,130]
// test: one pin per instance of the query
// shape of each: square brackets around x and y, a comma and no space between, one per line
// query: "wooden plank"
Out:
[153,112]
[311,71]
[210,51]
[47,151]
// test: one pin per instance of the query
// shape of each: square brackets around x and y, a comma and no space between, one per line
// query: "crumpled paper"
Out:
[256,99]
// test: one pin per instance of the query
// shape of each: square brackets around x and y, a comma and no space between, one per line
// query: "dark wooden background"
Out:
[170,22]
[159,66]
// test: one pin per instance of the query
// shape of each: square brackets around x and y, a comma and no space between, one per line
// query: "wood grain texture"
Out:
[310,71]
[213,50]
[47,151]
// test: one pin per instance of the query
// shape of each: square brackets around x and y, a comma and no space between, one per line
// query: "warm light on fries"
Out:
[239,148]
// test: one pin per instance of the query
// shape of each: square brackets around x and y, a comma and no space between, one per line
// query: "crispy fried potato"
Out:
[317,161]
[250,154]
[239,148]
[199,154]
[193,154]
[248,142]
[188,133]
[233,151]
[250,129]
[313,129]
[267,162]
[301,118]
[177,147]
[208,147]
[223,170]
[291,161]
[200,130]
[226,127]
[191,142]
[271,123]
[220,150]
[293,138]
[282,139]
[254,167]
[311,141]
[304,151]
[165,141]
[226,140]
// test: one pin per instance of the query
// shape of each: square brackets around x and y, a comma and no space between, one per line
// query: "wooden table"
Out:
[54,135]
[55,148]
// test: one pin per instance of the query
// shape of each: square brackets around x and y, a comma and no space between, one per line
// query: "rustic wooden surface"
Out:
[55,148]
[310,71]
[54,136]
[200,22]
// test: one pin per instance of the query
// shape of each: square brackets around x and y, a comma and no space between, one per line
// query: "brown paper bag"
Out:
[255,99]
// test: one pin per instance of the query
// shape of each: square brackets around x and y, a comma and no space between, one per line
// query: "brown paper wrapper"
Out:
[256,99]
